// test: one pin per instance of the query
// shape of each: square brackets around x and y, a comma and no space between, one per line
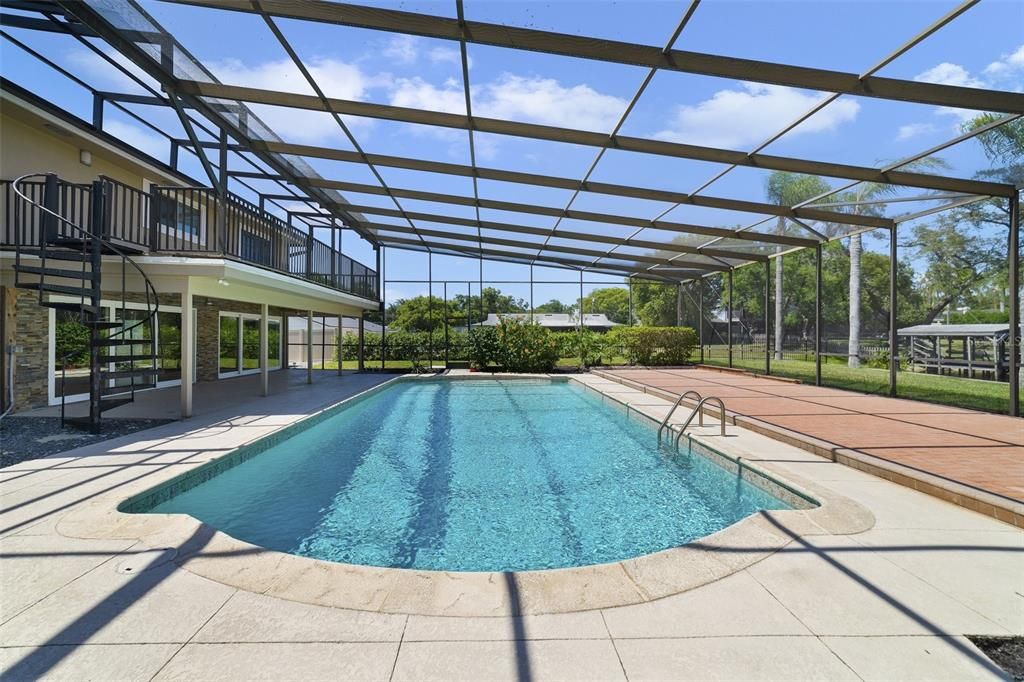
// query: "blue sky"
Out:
[983,48]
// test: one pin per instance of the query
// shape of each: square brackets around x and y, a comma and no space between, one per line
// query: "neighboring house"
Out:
[556,321]
[218,278]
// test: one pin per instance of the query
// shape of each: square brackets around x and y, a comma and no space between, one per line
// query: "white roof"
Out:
[553,319]
[956,330]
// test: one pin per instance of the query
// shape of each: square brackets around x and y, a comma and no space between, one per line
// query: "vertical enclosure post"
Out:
[1014,340]
[629,306]
[894,350]
[767,316]
[531,293]
[700,317]
[382,264]
[362,340]
[728,325]
[430,310]
[583,360]
[338,338]
[817,315]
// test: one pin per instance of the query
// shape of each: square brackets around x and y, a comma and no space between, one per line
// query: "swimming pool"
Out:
[480,475]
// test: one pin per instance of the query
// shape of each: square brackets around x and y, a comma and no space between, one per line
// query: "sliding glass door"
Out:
[240,344]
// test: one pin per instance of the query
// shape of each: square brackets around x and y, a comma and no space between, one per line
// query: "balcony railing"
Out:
[192,221]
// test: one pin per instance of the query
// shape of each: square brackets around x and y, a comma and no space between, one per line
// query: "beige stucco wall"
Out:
[34,141]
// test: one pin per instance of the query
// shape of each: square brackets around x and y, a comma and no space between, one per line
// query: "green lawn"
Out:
[990,396]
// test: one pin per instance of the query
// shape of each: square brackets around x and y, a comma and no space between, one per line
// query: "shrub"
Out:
[525,347]
[655,345]
[483,346]
[592,346]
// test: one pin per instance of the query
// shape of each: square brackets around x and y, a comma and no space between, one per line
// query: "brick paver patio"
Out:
[985,451]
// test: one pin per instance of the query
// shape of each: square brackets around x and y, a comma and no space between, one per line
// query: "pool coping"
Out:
[967,496]
[210,553]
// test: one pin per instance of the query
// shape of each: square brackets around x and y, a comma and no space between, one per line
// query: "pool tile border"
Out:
[210,553]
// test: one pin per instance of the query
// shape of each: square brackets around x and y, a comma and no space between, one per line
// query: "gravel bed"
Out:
[23,438]
[1007,652]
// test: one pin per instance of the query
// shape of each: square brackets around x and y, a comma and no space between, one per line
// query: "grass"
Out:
[988,396]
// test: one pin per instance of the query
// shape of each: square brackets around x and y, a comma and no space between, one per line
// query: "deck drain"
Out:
[144,561]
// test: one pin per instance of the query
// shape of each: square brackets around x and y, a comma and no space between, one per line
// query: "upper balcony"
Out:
[194,222]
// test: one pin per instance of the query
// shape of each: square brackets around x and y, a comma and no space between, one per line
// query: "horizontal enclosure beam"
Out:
[630,53]
[589,216]
[571,184]
[545,232]
[592,139]
[592,253]
[475,251]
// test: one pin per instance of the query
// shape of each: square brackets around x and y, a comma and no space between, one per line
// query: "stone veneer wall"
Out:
[30,322]
[27,325]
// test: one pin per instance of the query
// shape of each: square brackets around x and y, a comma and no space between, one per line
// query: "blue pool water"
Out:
[472,476]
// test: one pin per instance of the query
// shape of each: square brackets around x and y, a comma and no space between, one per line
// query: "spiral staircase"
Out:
[61,248]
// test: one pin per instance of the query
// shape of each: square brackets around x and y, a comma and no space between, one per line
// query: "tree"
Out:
[654,303]
[788,189]
[612,301]
[861,201]
[553,306]
[493,302]
[419,314]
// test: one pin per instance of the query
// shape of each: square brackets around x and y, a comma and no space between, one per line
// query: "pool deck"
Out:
[979,451]
[893,600]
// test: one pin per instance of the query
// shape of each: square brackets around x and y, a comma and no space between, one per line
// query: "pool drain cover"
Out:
[143,561]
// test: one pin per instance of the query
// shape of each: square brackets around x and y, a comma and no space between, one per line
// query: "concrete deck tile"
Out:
[936,659]
[582,625]
[162,604]
[589,660]
[896,506]
[248,617]
[84,662]
[739,604]
[838,587]
[33,567]
[981,569]
[731,658]
[282,661]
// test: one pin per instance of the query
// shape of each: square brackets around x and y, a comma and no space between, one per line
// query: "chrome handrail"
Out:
[696,410]
[664,422]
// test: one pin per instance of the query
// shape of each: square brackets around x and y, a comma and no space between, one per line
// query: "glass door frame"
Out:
[239,344]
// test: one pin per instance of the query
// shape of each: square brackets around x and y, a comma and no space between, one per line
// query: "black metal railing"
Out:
[192,221]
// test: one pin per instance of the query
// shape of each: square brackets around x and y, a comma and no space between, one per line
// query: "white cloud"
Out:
[546,101]
[1007,65]
[912,130]
[402,48]
[336,78]
[949,74]
[417,93]
[97,71]
[446,54]
[739,118]
[138,137]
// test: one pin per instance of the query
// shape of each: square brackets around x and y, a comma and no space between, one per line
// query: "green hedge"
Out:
[654,345]
[514,346]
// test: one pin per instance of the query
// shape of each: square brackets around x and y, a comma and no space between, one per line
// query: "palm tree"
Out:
[858,199]
[788,189]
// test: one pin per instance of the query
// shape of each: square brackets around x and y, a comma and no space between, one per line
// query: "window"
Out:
[184,219]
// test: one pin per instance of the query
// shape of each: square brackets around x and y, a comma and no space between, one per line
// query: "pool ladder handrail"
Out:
[664,422]
[697,410]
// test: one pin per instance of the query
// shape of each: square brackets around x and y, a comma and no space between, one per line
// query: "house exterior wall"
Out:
[32,145]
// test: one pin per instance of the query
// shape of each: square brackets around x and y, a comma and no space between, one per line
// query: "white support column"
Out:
[187,343]
[264,345]
[309,346]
